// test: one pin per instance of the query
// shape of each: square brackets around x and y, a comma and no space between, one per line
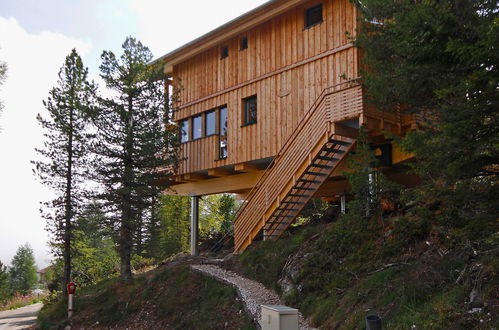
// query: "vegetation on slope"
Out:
[167,298]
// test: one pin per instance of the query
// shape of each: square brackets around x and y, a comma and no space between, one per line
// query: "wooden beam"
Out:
[219,172]
[194,177]
[228,184]
[245,167]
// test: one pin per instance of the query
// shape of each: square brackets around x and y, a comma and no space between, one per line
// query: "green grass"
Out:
[355,268]
[170,298]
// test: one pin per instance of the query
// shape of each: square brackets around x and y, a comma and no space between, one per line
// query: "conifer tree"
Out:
[65,152]
[23,276]
[4,283]
[132,141]
[439,60]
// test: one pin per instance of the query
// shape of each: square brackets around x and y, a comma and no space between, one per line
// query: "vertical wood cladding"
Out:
[286,65]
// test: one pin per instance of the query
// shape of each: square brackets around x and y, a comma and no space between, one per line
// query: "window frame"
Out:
[214,112]
[187,134]
[220,136]
[243,43]
[224,52]
[201,135]
[308,10]
[245,116]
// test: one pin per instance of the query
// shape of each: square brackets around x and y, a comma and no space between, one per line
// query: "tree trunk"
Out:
[68,208]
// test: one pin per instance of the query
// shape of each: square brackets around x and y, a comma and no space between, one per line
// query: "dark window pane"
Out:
[184,131]
[196,127]
[244,43]
[250,110]
[210,123]
[313,16]
[223,133]
[224,52]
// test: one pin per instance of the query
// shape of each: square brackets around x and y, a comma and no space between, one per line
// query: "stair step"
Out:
[288,210]
[292,202]
[304,188]
[327,158]
[321,166]
[339,142]
[314,173]
[274,229]
[336,151]
[282,216]
[298,195]
[308,181]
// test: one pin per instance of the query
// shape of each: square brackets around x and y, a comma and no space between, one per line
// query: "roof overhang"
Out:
[234,27]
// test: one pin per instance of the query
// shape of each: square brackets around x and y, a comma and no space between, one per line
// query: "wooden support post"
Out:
[194,225]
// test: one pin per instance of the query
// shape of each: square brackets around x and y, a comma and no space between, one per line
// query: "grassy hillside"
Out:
[167,298]
[405,269]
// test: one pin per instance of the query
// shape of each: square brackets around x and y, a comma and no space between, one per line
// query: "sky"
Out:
[35,38]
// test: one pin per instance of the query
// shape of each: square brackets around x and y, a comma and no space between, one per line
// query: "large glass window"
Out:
[223,151]
[313,16]
[197,130]
[184,130]
[210,123]
[250,110]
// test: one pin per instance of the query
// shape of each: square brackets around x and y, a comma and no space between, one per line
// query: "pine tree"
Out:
[438,59]
[132,141]
[66,153]
[4,283]
[23,276]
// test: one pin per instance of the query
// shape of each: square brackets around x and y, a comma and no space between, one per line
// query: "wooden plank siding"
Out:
[286,65]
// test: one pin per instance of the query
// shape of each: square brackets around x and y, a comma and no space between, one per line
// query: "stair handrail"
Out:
[292,137]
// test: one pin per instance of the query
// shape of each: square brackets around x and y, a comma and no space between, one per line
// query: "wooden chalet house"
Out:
[269,109]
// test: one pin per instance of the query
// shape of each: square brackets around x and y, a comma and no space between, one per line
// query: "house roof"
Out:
[230,29]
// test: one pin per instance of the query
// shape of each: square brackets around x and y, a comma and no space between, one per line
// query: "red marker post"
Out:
[71,290]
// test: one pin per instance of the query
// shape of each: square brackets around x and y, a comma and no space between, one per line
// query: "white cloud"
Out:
[33,62]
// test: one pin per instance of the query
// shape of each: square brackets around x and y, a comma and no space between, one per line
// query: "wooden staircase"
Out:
[305,161]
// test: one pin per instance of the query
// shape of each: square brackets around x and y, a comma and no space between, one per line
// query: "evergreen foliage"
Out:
[170,229]
[4,283]
[66,153]
[217,214]
[438,59]
[131,142]
[23,276]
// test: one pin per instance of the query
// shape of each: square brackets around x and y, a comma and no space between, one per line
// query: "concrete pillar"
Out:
[343,203]
[194,225]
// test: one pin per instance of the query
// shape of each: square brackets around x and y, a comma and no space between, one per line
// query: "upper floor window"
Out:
[250,110]
[210,123]
[224,52]
[223,150]
[243,43]
[197,131]
[313,16]
[184,130]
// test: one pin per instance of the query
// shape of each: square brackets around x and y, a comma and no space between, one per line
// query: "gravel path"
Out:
[251,292]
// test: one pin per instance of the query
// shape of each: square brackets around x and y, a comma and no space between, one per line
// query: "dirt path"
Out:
[21,318]
[251,292]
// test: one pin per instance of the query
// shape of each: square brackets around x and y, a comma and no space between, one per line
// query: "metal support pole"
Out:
[70,305]
[194,225]
[343,203]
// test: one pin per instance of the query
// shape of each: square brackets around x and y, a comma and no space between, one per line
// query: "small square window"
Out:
[210,123]
[243,43]
[224,52]
[184,130]
[250,110]
[197,132]
[313,16]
